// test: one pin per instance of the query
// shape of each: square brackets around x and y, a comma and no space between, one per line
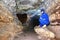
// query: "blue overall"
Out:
[44,19]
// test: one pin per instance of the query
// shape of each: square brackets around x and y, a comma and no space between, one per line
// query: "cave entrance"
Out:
[32,22]
[22,17]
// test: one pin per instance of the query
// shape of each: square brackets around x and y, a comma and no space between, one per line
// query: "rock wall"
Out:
[54,27]
[8,27]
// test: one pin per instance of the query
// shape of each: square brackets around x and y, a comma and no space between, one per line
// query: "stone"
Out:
[55,20]
[55,30]
[44,33]
[10,5]
[27,4]
[8,26]
[52,17]
[52,6]
[54,11]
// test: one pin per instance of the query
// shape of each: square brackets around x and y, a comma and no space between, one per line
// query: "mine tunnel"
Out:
[32,22]
[22,17]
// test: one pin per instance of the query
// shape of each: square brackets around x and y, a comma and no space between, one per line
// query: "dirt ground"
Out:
[31,35]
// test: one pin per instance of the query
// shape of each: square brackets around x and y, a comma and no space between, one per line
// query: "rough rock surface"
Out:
[26,4]
[55,20]
[44,33]
[10,5]
[8,27]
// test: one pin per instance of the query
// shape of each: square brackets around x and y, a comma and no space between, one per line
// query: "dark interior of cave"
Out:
[22,17]
[32,22]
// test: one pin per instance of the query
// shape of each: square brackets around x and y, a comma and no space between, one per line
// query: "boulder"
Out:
[44,33]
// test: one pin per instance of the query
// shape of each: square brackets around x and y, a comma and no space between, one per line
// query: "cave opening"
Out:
[22,17]
[32,22]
